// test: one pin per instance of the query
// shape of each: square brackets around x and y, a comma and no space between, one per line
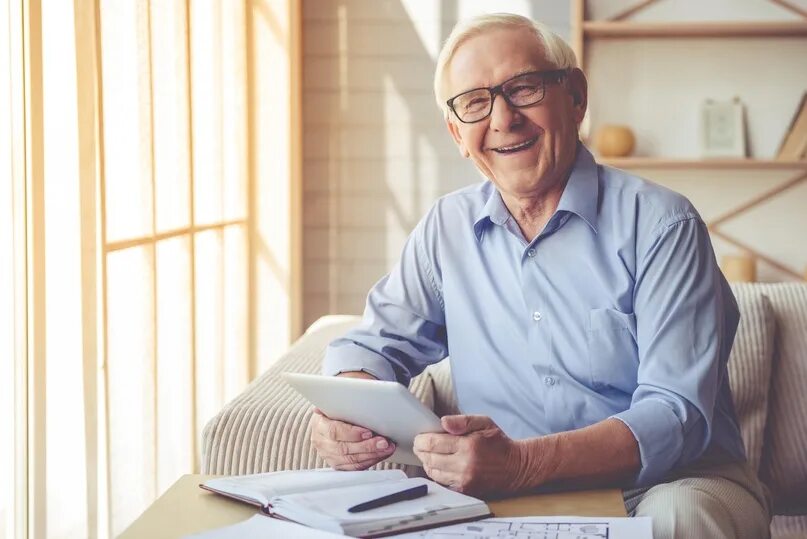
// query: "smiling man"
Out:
[586,318]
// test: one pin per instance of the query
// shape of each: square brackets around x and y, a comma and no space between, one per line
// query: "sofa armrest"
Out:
[445,400]
[267,427]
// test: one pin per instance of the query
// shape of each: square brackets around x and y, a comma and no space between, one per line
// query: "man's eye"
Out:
[522,90]
[476,104]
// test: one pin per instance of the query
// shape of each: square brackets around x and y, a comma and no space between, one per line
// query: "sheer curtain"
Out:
[12,275]
[155,242]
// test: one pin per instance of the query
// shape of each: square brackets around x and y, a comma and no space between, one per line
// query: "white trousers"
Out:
[706,500]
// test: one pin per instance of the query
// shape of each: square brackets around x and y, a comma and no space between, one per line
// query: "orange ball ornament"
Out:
[614,141]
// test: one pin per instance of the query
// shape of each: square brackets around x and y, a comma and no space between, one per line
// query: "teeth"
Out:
[506,148]
[516,147]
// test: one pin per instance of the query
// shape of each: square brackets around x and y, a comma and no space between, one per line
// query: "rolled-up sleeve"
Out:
[403,328]
[686,319]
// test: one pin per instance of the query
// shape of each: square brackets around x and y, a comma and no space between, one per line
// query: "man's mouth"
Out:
[514,148]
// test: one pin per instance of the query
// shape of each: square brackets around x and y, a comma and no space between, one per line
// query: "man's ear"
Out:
[578,89]
[455,134]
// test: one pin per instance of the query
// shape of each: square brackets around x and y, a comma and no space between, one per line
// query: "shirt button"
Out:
[536,316]
[531,253]
[548,380]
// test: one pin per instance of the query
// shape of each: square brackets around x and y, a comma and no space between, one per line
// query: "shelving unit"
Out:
[782,176]
[632,163]
[606,29]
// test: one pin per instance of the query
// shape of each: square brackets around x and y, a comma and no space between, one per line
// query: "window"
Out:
[12,270]
[174,234]
[148,235]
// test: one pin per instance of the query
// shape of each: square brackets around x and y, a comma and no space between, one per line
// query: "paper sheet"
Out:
[262,487]
[543,528]
[262,527]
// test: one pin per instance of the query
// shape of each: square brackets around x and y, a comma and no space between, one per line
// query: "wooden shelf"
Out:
[606,29]
[629,163]
[777,178]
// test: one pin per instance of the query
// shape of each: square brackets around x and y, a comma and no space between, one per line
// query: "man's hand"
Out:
[344,446]
[474,456]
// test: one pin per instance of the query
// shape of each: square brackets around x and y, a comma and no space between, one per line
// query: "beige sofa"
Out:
[266,428]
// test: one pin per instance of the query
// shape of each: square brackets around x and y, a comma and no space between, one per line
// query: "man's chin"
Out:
[522,186]
[523,176]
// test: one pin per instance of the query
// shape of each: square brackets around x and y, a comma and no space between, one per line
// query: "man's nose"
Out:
[503,116]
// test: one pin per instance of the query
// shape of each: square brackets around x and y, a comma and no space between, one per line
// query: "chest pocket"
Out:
[612,352]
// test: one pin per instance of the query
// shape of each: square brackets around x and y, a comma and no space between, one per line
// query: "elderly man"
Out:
[586,319]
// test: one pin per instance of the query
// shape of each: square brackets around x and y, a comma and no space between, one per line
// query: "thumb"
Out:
[463,424]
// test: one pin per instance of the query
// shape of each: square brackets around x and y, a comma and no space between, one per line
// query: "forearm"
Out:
[601,454]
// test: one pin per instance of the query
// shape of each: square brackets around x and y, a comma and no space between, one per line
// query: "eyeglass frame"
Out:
[556,74]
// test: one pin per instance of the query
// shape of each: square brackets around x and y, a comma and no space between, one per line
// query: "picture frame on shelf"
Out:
[723,129]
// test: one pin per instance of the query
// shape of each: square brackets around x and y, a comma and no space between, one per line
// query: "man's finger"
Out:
[355,458]
[436,443]
[463,424]
[444,478]
[373,446]
[344,432]
[442,462]
[356,461]
[352,467]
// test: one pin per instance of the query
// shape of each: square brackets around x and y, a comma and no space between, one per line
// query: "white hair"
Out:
[556,51]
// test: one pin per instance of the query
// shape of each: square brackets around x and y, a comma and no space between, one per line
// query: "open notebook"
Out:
[321,498]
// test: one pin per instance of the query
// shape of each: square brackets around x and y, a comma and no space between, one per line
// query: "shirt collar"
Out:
[493,211]
[580,196]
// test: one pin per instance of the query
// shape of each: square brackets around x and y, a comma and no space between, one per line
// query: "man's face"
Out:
[549,128]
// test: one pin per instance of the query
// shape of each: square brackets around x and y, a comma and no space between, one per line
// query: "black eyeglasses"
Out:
[520,91]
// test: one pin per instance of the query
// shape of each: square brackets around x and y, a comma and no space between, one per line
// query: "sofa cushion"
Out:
[789,527]
[445,400]
[267,427]
[784,456]
[749,367]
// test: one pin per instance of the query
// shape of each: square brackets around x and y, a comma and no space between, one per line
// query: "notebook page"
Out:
[261,488]
[320,508]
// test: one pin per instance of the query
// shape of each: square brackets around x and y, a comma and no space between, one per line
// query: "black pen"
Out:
[408,494]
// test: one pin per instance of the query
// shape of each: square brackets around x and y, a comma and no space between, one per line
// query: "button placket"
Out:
[534,285]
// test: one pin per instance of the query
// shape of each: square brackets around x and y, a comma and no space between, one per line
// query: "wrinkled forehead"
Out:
[494,56]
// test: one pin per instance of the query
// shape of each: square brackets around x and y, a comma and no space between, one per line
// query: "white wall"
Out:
[376,153]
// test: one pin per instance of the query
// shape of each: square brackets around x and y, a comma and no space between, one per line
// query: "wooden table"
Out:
[185,508]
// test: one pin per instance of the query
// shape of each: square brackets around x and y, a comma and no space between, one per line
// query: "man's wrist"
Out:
[537,459]
[605,453]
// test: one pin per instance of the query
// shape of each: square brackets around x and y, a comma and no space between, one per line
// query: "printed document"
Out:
[543,528]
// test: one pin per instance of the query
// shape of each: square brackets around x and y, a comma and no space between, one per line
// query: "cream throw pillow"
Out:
[784,457]
[749,367]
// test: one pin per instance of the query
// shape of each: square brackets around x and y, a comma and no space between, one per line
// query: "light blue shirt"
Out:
[616,309]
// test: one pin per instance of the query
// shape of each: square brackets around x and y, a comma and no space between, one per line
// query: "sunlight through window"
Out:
[7,296]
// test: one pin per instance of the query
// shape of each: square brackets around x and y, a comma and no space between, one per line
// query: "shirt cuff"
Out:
[346,358]
[659,433]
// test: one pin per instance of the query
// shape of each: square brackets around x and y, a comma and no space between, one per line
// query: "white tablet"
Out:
[386,408]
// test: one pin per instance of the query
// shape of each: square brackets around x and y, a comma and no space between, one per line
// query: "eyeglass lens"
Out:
[520,91]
